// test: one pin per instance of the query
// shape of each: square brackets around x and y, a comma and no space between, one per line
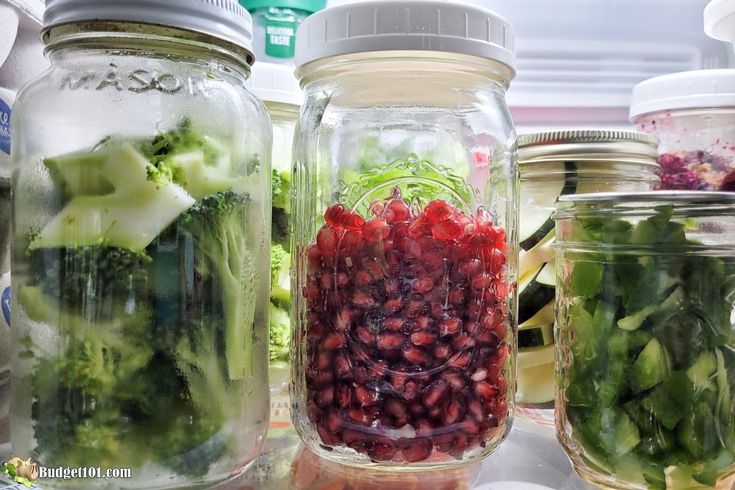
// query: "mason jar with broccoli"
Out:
[141,235]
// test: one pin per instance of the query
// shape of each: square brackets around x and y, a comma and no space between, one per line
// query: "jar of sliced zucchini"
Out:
[552,164]
[645,338]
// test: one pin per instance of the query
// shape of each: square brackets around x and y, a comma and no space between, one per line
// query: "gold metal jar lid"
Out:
[588,145]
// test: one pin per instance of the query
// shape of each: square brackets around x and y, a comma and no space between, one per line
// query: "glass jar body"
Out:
[697,149]
[543,180]
[405,237]
[141,203]
[644,339]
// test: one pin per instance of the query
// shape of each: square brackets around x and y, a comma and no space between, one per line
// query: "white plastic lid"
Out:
[275,83]
[222,19]
[719,20]
[686,90]
[405,25]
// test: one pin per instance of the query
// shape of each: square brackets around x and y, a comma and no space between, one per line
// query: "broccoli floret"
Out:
[280,278]
[280,228]
[200,164]
[280,334]
[218,225]
[281,189]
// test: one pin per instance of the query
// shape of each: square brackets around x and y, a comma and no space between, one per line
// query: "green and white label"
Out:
[280,38]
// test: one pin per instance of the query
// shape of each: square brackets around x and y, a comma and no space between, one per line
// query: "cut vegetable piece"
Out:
[131,217]
[200,179]
[536,375]
[530,261]
[547,275]
[634,321]
[586,278]
[544,316]
[663,407]
[702,370]
[696,432]
[536,224]
[657,443]
[681,477]
[533,298]
[650,368]
[723,387]
[613,381]
[618,432]
[80,174]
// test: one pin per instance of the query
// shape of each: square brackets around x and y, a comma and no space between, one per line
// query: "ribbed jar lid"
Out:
[405,25]
[587,143]
[225,20]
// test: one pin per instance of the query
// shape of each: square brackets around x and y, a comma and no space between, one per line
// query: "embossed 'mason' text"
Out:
[135,81]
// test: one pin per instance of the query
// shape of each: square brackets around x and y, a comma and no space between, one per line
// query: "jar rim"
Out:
[664,197]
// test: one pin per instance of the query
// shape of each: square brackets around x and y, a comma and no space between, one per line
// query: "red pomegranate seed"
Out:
[334,423]
[422,323]
[325,281]
[365,335]
[410,390]
[475,409]
[392,305]
[343,280]
[416,356]
[423,338]
[358,415]
[485,391]
[419,227]
[312,291]
[327,438]
[333,341]
[463,342]
[412,249]
[417,450]
[344,397]
[413,308]
[399,210]
[390,341]
[363,279]
[456,296]
[327,240]
[461,441]
[396,408]
[351,240]
[446,230]
[343,320]
[439,210]
[377,207]
[323,378]
[435,392]
[393,323]
[364,396]
[469,426]
[333,214]
[324,360]
[441,351]
[362,299]
[455,411]
[326,396]
[450,326]
[454,380]
[381,452]
[482,281]
[423,285]
[460,361]
[353,438]
[444,442]
[375,230]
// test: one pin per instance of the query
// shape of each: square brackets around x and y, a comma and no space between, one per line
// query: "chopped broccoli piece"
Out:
[131,216]
[218,224]
[280,278]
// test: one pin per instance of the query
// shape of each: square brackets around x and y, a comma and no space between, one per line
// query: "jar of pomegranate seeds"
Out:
[693,115]
[405,234]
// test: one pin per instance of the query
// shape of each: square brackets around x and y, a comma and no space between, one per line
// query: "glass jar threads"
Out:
[404,221]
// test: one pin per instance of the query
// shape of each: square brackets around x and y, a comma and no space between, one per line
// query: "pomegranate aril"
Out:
[344,396]
[390,341]
[416,356]
[365,335]
[446,230]
[434,392]
[423,338]
[362,300]
[358,415]
[417,450]
[364,396]
[450,326]
[456,381]
[327,438]
[470,426]
[324,360]
[439,210]
[460,361]
[333,214]
[454,412]
[334,423]
[394,323]
[392,305]
[444,442]
[327,240]
[423,285]
[381,452]
[474,408]
[396,408]
[375,230]
[333,341]
[410,390]
[485,391]
[441,351]
[463,342]
[363,279]
[326,396]
[479,375]
[323,378]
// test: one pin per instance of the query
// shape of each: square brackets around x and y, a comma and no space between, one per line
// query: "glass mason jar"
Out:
[405,232]
[278,88]
[645,338]
[553,164]
[141,201]
[692,114]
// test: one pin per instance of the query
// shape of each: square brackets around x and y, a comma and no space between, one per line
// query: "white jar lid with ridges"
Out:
[697,89]
[405,25]
[275,83]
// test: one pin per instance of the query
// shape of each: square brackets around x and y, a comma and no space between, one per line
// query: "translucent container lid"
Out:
[685,90]
[275,83]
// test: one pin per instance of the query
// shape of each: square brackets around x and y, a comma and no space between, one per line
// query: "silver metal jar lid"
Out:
[589,144]
[224,20]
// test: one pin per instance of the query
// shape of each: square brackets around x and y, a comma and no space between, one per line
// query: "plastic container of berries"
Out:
[405,235]
[693,115]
